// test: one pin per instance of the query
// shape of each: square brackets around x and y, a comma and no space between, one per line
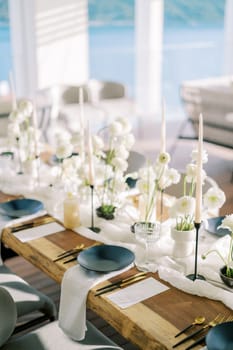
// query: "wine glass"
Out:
[147,234]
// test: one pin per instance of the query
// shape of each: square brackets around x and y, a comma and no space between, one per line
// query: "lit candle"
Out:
[163,130]
[13,94]
[198,208]
[90,158]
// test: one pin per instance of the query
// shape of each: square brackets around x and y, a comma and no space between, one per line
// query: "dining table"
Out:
[149,324]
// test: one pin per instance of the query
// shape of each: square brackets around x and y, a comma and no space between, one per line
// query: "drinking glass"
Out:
[147,235]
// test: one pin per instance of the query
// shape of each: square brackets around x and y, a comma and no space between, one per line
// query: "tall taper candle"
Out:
[198,208]
[90,157]
[13,93]
[82,126]
[163,129]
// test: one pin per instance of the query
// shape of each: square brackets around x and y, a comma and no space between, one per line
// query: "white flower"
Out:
[120,164]
[64,150]
[26,108]
[13,130]
[194,156]
[147,173]
[227,223]
[185,205]
[174,176]
[191,173]
[164,158]
[121,152]
[128,140]
[115,128]
[63,137]
[214,198]
[16,116]
[145,186]
[126,126]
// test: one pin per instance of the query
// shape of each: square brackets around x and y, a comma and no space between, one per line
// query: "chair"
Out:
[48,337]
[29,302]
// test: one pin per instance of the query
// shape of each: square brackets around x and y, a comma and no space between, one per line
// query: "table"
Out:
[150,324]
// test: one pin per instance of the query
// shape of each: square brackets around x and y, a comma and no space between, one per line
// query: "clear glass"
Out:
[147,235]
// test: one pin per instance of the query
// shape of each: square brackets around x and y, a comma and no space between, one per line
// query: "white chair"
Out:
[33,307]
[47,337]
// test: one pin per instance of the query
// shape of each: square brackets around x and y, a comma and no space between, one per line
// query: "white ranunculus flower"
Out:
[194,156]
[128,140]
[173,175]
[126,126]
[115,129]
[121,152]
[191,173]
[185,205]
[120,164]
[145,186]
[214,198]
[164,158]
[26,108]
[64,150]
[227,223]
[147,173]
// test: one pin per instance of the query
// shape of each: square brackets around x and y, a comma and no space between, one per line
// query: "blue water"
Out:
[188,53]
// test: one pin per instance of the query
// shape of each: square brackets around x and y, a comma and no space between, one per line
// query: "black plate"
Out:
[212,226]
[220,337]
[20,207]
[105,258]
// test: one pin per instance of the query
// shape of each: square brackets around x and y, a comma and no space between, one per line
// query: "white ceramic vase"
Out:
[183,242]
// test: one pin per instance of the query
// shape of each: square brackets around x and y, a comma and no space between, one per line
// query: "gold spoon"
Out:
[197,321]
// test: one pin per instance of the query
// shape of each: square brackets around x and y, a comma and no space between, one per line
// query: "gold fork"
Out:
[218,319]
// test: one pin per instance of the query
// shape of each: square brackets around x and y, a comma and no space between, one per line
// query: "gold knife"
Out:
[124,284]
[118,282]
[44,221]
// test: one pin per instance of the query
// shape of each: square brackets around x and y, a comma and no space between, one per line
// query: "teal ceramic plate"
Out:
[220,337]
[105,258]
[20,207]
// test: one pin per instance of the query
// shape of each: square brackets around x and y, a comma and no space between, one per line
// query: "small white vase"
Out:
[183,242]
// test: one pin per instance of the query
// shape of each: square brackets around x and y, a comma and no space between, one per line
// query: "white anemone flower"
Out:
[191,173]
[185,205]
[145,186]
[64,150]
[164,158]
[214,198]
[227,223]
[98,143]
[147,173]
[26,108]
[194,156]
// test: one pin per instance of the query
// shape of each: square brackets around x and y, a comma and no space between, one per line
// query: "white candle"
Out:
[90,158]
[35,126]
[198,208]
[13,94]
[81,109]
[163,130]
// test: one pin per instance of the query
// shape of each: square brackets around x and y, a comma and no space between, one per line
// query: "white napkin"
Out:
[137,292]
[197,287]
[38,231]
[6,221]
[75,286]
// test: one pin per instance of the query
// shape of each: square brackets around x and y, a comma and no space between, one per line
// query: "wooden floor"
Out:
[220,167]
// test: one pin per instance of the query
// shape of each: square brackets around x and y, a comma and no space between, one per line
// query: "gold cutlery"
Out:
[121,281]
[218,319]
[125,282]
[43,221]
[76,253]
[202,339]
[69,252]
[197,321]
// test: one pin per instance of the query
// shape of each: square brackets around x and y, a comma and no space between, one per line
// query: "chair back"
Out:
[8,315]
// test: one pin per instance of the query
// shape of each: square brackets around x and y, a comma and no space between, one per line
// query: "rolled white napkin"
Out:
[75,286]
[197,287]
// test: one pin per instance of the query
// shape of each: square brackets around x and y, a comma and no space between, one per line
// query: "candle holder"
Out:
[195,275]
[93,227]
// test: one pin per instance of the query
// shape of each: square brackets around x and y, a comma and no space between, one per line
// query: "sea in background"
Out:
[188,53]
